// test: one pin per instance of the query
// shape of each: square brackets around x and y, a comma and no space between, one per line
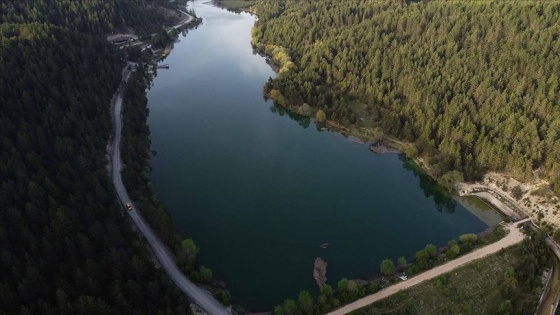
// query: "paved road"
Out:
[188,20]
[515,236]
[197,295]
[551,298]
[184,22]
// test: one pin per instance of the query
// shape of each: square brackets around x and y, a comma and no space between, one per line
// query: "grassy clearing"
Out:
[364,120]
[471,289]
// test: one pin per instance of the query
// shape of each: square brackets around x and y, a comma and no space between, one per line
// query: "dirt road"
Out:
[515,236]
[551,296]
[197,295]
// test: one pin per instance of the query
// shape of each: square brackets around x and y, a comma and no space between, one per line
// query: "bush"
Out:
[342,284]
[432,250]
[401,261]
[517,192]
[387,267]
[453,251]
[421,258]
[469,238]
[320,116]
[290,307]
[304,110]
[224,297]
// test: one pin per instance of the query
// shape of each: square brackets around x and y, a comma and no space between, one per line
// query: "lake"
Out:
[259,190]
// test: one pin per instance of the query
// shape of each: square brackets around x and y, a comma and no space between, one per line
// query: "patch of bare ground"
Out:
[534,199]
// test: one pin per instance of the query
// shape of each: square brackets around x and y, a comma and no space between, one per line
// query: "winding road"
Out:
[513,237]
[197,295]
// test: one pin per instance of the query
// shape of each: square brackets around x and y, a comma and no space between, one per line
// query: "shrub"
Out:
[387,267]
[517,192]
[469,238]
[320,116]
[304,110]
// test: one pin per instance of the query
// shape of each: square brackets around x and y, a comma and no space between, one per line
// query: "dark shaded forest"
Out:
[473,85]
[88,17]
[66,247]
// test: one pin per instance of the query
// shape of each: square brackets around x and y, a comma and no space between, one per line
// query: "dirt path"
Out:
[514,236]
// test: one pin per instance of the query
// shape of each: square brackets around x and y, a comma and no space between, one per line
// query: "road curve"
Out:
[551,296]
[197,295]
[515,236]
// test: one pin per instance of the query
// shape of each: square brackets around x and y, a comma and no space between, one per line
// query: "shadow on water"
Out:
[444,202]
[303,121]
[259,192]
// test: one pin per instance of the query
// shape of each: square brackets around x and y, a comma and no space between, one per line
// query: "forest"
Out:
[472,85]
[66,247]
[95,17]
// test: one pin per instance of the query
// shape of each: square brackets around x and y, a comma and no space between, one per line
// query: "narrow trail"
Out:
[513,237]
[197,295]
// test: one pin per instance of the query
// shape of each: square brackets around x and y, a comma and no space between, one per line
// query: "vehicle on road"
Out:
[128,206]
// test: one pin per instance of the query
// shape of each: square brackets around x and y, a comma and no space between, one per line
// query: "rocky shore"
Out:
[320,272]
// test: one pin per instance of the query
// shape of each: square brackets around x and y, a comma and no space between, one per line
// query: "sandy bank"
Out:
[515,199]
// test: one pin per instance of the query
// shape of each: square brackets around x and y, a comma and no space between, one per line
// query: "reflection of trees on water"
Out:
[301,120]
[444,202]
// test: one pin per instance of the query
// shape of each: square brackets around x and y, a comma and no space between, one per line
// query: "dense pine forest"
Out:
[65,245]
[473,85]
[89,17]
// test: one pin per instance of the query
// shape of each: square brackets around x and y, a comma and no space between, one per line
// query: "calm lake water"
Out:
[259,190]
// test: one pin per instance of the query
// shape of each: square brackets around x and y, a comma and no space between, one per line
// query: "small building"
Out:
[121,38]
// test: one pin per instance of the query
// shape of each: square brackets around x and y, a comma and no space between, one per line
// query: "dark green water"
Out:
[258,190]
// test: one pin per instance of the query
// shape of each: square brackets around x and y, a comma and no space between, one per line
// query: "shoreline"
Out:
[221,5]
[500,200]
[537,200]
[204,297]
[514,237]
[534,199]
[486,192]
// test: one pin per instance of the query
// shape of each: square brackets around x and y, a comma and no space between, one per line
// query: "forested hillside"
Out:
[65,246]
[474,85]
[91,17]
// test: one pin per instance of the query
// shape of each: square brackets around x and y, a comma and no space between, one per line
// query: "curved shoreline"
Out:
[514,237]
[197,295]
[487,195]
[501,191]
[546,213]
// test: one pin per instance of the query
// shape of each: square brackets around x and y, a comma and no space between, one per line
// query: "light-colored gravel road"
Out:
[197,295]
[513,237]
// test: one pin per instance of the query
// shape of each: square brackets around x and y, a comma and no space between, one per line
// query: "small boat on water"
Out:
[324,245]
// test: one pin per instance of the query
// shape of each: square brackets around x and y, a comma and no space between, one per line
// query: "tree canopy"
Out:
[472,84]
[387,267]
[86,16]
[65,245]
